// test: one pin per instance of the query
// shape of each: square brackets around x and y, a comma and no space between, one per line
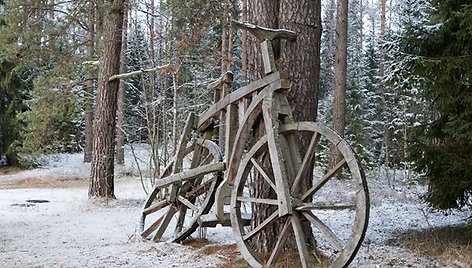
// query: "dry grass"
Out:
[450,245]
[235,260]
[51,182]
[9,170]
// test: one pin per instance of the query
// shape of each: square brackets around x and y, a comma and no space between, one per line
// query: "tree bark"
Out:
[102,177]
[382,36]
[340,72]
[244,44]
[301,59]
[120,127]
[89,86]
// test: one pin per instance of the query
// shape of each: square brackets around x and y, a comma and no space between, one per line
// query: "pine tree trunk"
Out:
[339,101]
[340,72]
[301,59]
[89,86]
[102,177]
[120,133]
[244,44]
[382,36]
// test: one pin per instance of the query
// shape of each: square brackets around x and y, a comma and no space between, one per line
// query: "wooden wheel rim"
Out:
[191,224]
[360,221]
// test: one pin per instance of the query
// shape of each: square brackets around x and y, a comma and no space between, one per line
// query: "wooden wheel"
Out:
[334,207]
[181,203]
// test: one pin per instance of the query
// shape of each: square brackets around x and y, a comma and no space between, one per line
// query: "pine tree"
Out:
[442,148]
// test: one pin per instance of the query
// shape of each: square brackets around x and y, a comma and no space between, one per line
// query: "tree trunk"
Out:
[382,36]
[120,128]
[300,59]
[340,72]
[244,44]
[102,177]
[89,86]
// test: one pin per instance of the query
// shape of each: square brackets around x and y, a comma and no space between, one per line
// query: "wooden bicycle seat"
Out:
[265,34]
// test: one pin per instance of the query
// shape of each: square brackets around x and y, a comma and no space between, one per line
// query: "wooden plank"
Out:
[182,145]
[187,203]
[165,222]
[261,226]
[268,57]
[190,174]
[324,180]
[257,200]
[307,161]
[325,230]
[264,173]
[246,91]
[224,79]
[231,127]
[279,246]
[160,205]
[300,239]
[270,114]
[262,33]
[253,112]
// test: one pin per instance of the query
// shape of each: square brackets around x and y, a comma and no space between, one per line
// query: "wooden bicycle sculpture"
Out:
[268,183]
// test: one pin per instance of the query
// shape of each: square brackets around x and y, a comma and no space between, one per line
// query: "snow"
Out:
[73,231]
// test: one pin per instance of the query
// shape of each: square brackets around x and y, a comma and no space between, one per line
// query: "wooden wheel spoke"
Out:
[324,229]
[265,174]
[261,226]
[199,190]
[158,206]
[154,226]
[280,244]
[324,206]
[187,203]
[300,239]
[306,163]
[257,200]
[207,159]
[331,173]
[165,222]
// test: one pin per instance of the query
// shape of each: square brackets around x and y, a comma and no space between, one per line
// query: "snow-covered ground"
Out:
[71,230]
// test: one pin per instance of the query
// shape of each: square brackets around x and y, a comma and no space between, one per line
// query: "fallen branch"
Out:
[142,71]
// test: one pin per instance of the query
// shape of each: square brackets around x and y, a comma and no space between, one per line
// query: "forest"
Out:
[110,84]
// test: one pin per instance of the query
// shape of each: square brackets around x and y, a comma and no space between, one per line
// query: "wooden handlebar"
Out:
[265,34]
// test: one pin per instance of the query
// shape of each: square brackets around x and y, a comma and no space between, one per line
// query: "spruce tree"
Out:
[442,148]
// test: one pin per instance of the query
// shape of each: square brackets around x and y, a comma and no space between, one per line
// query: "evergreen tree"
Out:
[442,148]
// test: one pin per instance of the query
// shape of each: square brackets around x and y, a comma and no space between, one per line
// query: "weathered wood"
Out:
[280,244]
[231,127]
[302,209]
[243,92]
[310,153]
[264,173]
[253,112]
[135,73]
[257,200]
[225,79]
[211,220]
[327,233]
[262,33]
[190,174]
[300,239]
[261,226]
[329,175]
[165,222]
[182,144]
[268,57]
[160,205]
[270,115]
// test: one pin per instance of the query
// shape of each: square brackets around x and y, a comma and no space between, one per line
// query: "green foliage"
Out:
[12,93]
[442,149]
[52,122]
